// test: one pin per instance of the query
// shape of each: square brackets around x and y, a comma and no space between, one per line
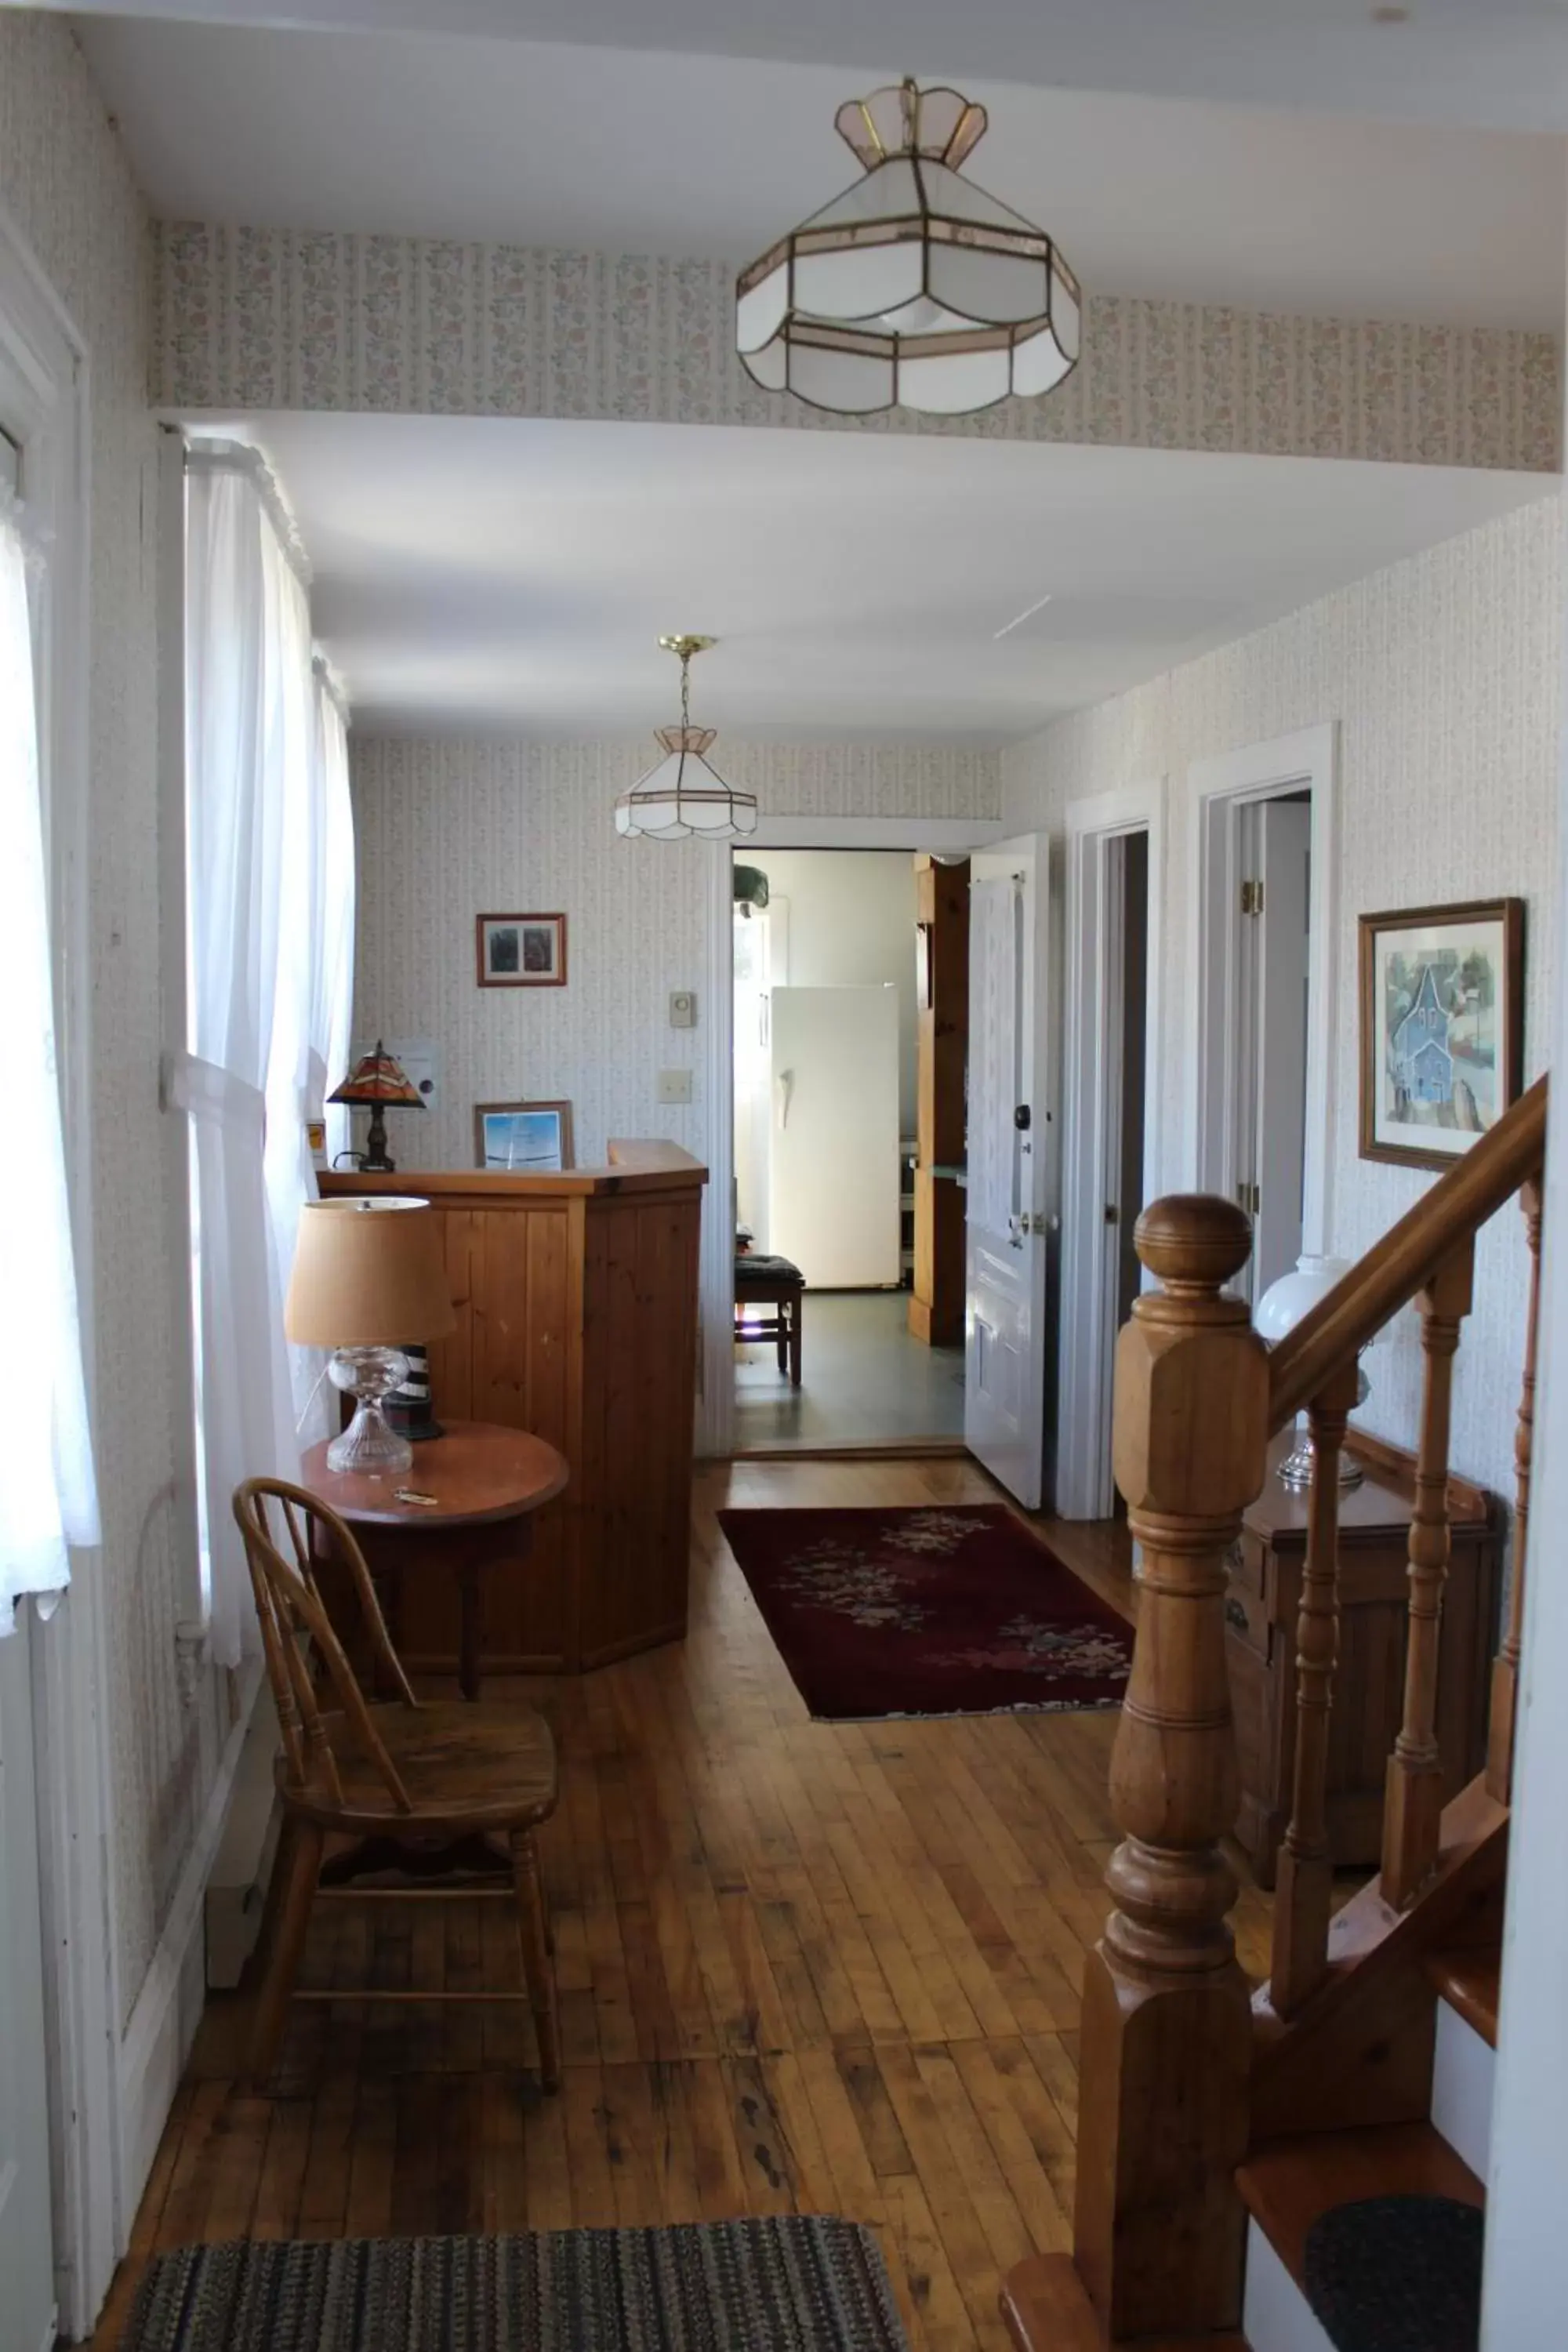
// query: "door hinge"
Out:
[1250,1198]
[1112,1214]
[1252,897]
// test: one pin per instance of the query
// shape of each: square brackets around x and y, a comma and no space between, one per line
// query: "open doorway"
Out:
[1115,866]
[1263,1006]
[834,1206]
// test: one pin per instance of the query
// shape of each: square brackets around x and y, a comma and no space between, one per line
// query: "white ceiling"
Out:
[498,575]
[611,150]
[1502,62]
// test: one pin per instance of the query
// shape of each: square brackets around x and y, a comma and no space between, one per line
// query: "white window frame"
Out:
[1084,1488]
[45,369]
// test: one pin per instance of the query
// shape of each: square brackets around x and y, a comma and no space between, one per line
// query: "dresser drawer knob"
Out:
[1234,1614]
[1235,1558]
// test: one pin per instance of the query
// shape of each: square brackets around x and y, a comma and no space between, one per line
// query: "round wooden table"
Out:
[486,1481]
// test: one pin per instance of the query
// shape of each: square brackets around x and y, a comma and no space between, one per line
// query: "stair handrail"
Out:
[1391,1273]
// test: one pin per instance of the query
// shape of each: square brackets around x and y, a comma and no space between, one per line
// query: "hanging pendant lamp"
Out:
[683,795]
[915,288]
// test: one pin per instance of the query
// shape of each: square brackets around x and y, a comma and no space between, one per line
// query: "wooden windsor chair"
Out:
[410,1775]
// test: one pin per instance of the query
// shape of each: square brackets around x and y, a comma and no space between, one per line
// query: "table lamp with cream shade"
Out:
[368,1278]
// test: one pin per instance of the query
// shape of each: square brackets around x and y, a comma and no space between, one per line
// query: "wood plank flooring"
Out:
[802,1967]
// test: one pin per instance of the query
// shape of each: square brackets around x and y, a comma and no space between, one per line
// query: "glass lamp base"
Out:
[369,1445]
[1300,1464]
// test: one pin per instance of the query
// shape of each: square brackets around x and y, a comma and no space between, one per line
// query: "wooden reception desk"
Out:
[576,1303]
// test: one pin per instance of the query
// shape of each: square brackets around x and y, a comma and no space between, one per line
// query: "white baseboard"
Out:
[162,2024]
[236,1884]
[1275,2315]
[1463,2068]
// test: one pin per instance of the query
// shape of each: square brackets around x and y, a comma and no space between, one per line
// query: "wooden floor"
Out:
[804,1967]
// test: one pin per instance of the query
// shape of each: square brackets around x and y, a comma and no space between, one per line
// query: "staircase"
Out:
[1256,2163]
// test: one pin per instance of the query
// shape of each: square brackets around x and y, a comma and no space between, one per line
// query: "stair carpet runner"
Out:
[1371,2241]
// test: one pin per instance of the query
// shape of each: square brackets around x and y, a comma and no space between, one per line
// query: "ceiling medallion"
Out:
[683,795]
[915,288]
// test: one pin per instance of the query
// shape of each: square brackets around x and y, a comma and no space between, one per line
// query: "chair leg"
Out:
[781,1334]
[302,1857]
[533,1937]
[794,1340]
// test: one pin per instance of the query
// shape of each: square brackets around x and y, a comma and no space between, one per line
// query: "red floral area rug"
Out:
[940,1611]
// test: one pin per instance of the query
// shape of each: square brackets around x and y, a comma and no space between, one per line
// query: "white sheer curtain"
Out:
[250,724]
[331,1014]
[48,1501]
[315,989]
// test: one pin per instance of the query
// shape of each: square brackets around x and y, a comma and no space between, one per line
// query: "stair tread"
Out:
[1467,1981]
[1046,2307]
[1287,2184]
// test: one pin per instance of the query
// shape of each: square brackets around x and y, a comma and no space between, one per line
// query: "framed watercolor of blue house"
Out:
[1442,1028]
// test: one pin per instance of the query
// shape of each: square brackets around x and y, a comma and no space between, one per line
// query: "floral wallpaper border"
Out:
[258,318]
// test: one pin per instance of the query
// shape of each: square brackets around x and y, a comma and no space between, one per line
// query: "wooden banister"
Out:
[1415,1804]
[1505,1667]
[1166,2027]
[1167,2087]
[1305,1884]
[1391,1274]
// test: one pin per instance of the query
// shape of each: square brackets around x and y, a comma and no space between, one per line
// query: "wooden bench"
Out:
[778,1283]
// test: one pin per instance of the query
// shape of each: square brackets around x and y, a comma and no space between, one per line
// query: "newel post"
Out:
[1167,2028]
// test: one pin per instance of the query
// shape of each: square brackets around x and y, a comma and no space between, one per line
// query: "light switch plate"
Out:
[683,1008]
[674,1086]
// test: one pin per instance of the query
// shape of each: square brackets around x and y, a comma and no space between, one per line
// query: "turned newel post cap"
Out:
[1192,1375]
[1193,1240]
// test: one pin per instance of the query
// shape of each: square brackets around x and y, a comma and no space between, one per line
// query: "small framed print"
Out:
[523,1139]
[520,950]
[1442,1028]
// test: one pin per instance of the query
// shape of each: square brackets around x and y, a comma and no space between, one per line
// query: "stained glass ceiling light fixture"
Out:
[683,795]
[915,288]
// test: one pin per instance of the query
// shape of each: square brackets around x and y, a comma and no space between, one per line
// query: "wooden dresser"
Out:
[576,1304]
[1261,1603]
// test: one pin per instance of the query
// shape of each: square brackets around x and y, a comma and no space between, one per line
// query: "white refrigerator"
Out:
[833,1158]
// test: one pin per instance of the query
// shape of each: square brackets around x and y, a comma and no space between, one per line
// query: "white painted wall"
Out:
[449,827]
[1522,2299]
[1444,674]
[852,925]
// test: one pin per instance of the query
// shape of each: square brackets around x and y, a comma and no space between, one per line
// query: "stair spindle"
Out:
[1505,1667]
[1166,2045]
[1305,1885]
[1413,1806]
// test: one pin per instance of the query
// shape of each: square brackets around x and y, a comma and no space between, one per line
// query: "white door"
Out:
[832,1179]
[26,2251]
[1275,853]
[27,2254]
[1008,1161]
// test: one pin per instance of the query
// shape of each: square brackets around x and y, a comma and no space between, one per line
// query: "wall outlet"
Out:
[683,1008]
[674,1086]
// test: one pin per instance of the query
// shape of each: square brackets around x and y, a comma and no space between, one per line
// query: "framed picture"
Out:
[1442,1028]
[520,950]
[523,1139]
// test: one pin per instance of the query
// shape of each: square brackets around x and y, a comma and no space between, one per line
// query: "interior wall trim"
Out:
[1257,771]
[258,318]
[1083,1434]
[164,2021]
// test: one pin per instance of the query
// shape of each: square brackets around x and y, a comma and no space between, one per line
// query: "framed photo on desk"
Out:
[523,1139]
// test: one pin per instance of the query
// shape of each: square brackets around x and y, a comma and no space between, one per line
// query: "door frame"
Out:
[1306,761]
[69,1652]
[1084,1485]
[956,836]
